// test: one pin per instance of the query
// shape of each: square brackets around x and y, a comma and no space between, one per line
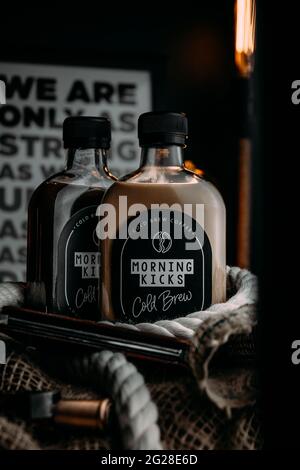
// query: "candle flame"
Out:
[245,35]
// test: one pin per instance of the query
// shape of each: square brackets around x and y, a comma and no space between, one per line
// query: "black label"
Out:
[79,266]
[160,277]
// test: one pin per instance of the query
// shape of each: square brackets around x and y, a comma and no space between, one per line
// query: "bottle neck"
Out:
[87,160]
[164,156]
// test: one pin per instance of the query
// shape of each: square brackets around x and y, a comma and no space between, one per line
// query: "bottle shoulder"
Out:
[69,179]
[181,186]
[45,185]
[210,191]
[61,192]
[164,175]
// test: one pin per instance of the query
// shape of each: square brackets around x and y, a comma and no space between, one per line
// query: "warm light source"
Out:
[190,165]
[245,16]
[245,12]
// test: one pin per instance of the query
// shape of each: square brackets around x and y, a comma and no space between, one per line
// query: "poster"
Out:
[38,99]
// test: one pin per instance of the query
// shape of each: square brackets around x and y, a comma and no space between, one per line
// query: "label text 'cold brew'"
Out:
[158,277]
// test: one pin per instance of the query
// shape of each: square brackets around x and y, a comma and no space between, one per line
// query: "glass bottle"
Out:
[162,277]
[63,250]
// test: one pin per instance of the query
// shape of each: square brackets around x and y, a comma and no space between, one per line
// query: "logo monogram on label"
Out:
[162,242]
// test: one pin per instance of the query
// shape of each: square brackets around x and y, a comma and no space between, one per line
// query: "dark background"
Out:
[190,54]
[276,238]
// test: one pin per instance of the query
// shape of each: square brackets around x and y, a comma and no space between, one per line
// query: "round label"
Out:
[79,266]
[165,275]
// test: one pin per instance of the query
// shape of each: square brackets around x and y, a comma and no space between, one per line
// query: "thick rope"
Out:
[137,414]
[11,294]
[244,282]
[135,411]
[241,280]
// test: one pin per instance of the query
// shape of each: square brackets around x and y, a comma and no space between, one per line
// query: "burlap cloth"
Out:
[211,406]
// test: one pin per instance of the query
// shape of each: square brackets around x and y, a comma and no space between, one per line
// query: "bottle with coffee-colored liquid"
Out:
[163,252]
[63,249]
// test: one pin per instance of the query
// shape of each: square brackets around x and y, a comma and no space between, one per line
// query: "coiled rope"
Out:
[135,411]
[137,414]
[241,280]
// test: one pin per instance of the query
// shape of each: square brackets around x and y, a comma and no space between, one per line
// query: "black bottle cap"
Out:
[162,128]
[87,132]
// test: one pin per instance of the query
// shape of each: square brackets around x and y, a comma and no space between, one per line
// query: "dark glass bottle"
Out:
[63,250]
[159,277]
